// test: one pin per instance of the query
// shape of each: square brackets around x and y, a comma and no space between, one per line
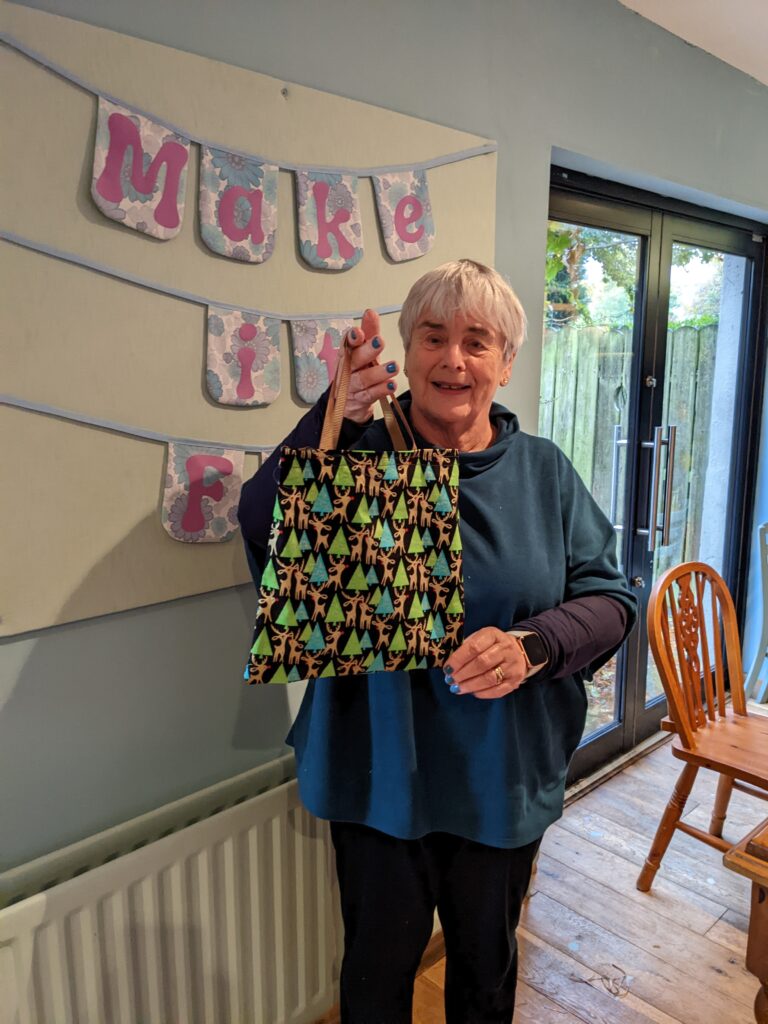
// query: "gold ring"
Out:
[499,673]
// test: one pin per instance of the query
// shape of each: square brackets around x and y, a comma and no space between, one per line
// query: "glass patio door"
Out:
[647,315]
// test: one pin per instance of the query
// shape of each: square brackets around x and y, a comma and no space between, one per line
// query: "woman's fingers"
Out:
[472,668]
[371,379]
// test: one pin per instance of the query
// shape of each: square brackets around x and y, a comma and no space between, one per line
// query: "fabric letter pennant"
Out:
[243,362]
[202,488]
[405,213]
[330,229]
[139,171]
[316,346]
[238,205]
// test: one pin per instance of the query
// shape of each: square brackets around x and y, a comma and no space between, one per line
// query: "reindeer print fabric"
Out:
[364,568]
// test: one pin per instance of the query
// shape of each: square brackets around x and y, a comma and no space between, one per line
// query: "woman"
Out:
[439,784]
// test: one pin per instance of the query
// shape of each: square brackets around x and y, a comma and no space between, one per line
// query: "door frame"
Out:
[580,198]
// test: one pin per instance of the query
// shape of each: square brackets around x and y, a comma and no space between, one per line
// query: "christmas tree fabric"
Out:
[364,568]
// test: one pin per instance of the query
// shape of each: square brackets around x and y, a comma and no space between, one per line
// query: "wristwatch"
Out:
[533,650]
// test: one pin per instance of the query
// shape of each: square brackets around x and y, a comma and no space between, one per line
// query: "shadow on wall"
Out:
[105,719]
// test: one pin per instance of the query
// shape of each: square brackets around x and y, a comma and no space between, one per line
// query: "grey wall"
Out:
[109,718]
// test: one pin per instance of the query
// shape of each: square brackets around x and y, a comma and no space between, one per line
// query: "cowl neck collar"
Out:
[504,422]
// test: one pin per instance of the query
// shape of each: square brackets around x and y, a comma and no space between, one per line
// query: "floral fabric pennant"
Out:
[405,213]
[316,346]
[139,171]
[330,229]
[243,362]
[202,489]
[238,205]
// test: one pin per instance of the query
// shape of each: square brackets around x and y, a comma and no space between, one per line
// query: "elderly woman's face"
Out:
[454,368]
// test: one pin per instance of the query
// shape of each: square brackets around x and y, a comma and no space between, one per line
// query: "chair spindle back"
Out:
[691,622]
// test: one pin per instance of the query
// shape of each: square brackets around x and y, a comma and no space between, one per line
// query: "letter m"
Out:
[124,135]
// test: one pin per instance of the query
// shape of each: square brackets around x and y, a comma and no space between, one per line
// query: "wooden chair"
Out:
[695,643]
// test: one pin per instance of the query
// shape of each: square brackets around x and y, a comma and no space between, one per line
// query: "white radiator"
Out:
[229,920]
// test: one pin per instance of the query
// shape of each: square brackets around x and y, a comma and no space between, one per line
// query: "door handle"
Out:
[618,442]
[658,442]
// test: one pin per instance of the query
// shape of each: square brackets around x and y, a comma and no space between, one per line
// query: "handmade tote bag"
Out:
[364,568]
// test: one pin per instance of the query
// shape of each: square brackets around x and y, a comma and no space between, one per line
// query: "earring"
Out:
[504,381]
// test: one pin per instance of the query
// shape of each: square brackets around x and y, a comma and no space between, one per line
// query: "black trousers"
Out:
[389,891]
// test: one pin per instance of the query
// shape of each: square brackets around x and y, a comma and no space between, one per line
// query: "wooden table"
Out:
[750,858]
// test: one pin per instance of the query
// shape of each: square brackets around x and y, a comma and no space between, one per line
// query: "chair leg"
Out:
[669,819]
[720,809]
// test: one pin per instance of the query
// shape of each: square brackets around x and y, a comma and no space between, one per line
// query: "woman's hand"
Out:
[370,380]
[488,664]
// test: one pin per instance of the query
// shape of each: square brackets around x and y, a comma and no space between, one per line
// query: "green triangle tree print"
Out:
[416,611]
[417,477]
[308,473]
[441,568]
[456,542]
[429,474]
[277,512]
[386,540]
[443,503]
[385,606]
[343,476]
[401,509]
[401,576]
[373,508]
[416,546]
[304,543]
[316,641]
[438,630]
[301,612]
[362,516]
[455,605]
[309,564]
[377,663]
[339,544]
[454,478]
[371,576]
[390,473]
[312,493]
[269,578]
[352,647]
[398,640]
[365,641]
[319,572]
[357,580]
[280,675]
[262,647]
[287,616]
[335,613]
[322,505]
[292,547]
[294,477]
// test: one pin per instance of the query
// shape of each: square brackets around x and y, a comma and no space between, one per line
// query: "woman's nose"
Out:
[453,356]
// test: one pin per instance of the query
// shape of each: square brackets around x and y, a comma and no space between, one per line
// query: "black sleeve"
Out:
[257,497]
[577,632]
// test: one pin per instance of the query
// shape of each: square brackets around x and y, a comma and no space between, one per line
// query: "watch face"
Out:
[535,651]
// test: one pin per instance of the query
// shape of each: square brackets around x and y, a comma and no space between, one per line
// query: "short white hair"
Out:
[469,287]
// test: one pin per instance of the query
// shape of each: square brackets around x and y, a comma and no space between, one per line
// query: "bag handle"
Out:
[394,417]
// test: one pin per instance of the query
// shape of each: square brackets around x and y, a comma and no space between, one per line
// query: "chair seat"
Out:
[736,745]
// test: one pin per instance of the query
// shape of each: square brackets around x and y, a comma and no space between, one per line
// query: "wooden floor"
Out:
[594,949]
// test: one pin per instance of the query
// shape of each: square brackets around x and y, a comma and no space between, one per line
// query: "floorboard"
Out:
[595,950]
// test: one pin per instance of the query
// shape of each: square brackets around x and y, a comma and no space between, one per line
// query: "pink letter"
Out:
[227,214]
[329,355]
[193,519]
[325,227]
[124,133]
[407,212]
[245,357]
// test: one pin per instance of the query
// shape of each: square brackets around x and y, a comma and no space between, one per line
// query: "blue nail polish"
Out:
[376,343]
[448,670]
[448,680]
[455,688]
[391,385]
[391,367]
[353,335]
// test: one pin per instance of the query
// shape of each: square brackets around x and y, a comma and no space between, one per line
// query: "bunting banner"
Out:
[330,228]
[243,364]
[129,153]
[405,214]
[316,345]
[140,172]
[238,205]
[202,489]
